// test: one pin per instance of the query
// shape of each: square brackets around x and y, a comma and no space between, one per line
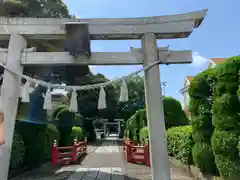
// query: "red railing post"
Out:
[85,145]
[74,150]
[146,154]
[125,148]
[129,152]
[54,153]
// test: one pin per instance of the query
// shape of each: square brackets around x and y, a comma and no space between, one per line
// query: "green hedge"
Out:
[32,144]
[18,151]
[173,114]
[180,143]
[225,139]
[34,141]
[200,92]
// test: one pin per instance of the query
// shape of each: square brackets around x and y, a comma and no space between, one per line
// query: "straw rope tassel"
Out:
[124,92]
[47,100]
[25,93]
[102,99]
[73,103]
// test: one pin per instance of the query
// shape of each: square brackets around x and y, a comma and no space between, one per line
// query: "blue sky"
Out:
[218,36]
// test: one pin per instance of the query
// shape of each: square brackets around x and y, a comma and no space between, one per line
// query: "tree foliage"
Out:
[34,8]
[70,75]
[88,100]
[136,97]
[40,9]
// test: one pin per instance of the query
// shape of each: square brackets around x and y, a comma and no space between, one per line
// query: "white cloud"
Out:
[199,61]
[91,68]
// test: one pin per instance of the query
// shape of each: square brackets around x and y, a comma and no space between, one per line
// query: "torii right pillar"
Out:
[154,106]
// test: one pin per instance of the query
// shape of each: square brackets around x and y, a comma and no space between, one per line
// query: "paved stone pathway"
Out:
[111,147]
[105,162]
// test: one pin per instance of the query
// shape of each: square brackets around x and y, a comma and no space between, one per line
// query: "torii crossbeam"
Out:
[148,29]
[164,27]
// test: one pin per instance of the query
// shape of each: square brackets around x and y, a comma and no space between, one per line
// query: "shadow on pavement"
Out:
[46,169]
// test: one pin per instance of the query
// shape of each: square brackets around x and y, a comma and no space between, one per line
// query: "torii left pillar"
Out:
[10,95]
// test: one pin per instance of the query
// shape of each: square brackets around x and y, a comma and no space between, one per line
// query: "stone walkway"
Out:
[105,162]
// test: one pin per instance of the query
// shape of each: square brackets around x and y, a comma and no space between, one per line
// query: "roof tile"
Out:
[189,77]
[218,60]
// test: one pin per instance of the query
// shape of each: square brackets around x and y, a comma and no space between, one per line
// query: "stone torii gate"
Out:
[148,29]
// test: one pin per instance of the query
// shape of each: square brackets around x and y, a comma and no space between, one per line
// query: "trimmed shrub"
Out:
[88,129]
[225,143]
[200,92]
[32,134]
[203,157]
[58,109]
[180,143]
[65,116]
[77,132]
[173,114]
[34,141]
[226,111]
[144,135]
[66,119]
[18,151]
[228,168]
[52,134]
[125,132]
[135,123]
[142,117]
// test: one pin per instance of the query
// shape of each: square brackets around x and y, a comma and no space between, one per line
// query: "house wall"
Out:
[211,65]
[185,96]
[185,99]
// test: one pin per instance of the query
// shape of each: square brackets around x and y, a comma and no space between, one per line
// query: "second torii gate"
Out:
[149,29]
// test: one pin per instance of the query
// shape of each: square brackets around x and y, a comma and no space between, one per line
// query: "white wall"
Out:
[211,65]
[185,99]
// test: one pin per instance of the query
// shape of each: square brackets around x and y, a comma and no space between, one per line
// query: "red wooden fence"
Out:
[68,154]
[136,154]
